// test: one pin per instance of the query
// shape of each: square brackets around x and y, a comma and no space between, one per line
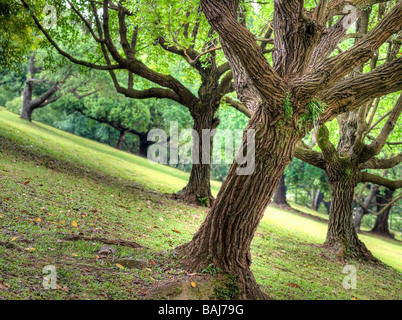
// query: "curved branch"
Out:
[335,68]
[311,157]
[372,178]
[62,52]
[351,93]
[375,163]
[375,147]
[238,106]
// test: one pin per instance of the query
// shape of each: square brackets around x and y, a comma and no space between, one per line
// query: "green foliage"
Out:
[202,201]
[211,270]
[314,109]
[230,290]
[287,105]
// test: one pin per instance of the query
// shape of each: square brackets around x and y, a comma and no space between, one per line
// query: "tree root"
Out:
[119,242]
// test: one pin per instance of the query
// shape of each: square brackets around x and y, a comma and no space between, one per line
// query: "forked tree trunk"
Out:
[280,195]
[225,236]
[341,234]
[381,226]
[198,189]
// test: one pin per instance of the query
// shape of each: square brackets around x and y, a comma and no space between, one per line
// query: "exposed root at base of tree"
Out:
[239,280]
[193,199]
[358,251]
[123,243]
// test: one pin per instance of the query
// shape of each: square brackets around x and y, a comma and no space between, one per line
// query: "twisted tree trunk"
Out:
[225,236]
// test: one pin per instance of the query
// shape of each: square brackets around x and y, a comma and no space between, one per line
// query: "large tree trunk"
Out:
[225,236]
[341,234]
[280,195]
[381,226]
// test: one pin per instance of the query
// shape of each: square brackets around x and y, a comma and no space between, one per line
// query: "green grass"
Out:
[116,195]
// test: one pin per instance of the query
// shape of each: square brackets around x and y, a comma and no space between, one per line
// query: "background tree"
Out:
[284,100]
[134,37]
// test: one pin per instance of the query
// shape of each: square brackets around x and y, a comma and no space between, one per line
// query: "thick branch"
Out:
[351,93]
[312,157]
[335,68]
[221,15]
[375,147]
[375,163]
[372,178]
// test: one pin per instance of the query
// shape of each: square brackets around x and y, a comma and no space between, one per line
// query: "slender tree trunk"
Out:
[199,186]
[280,195]
[27,109]
[225,236]
[122,138]
[341,235]
[381,226]
[318,199]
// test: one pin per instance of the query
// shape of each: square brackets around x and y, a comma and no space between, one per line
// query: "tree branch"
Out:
[372,178]
[353,92]
[375,163]
[335,68]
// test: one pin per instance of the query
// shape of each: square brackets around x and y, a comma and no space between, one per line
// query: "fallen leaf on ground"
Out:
[294,285]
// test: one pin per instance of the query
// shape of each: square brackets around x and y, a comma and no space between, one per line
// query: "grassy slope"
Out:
[110,194]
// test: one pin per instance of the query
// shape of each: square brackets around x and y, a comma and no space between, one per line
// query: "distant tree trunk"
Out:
[361,211]
[318,199]
[144,144]
[327,205]
[199,186]
[280,195]
[341,234]
[381,226]
[122,138]
[27,109]
[29,105]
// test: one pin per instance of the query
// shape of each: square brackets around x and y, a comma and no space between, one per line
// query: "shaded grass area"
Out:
[52,183]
